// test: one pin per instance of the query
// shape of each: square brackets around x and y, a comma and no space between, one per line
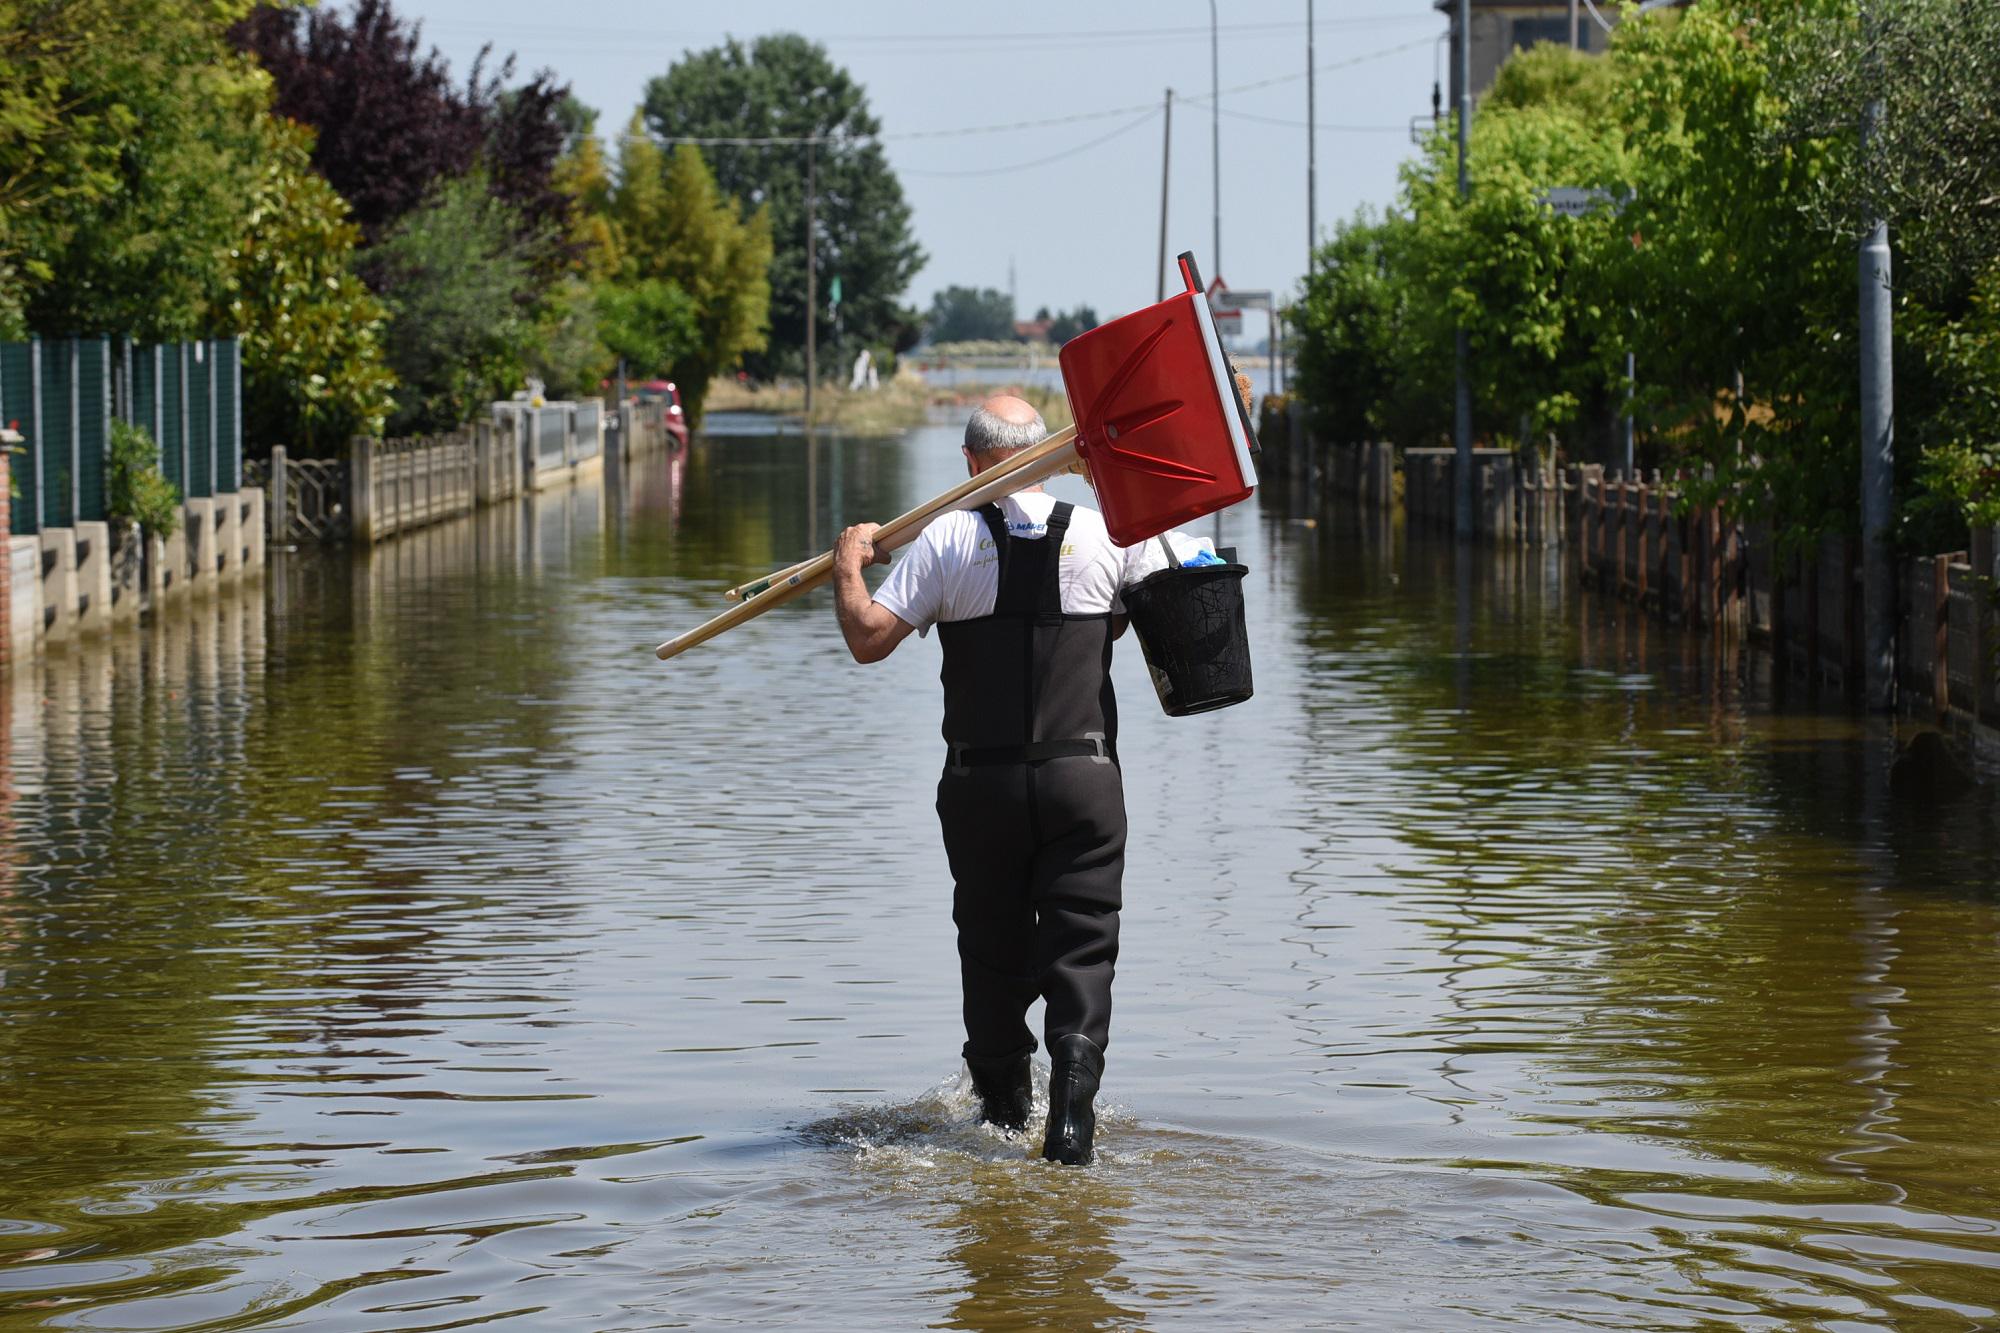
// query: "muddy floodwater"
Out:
[403,947]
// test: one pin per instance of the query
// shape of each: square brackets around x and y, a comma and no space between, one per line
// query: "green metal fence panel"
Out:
[142,409]
[173,433]
[201,420]
[93,426]
[17,409]
[65,393]
[58,440]
[229,415]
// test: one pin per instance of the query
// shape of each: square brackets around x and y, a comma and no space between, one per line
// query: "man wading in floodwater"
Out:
[1025,595]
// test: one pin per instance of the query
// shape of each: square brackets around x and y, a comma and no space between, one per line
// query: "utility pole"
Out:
[812,269]
[1878,426]
[1461,66]
[1215,124]
[1166,160]
[1312,151]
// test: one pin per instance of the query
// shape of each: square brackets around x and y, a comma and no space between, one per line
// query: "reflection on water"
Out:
[409,949]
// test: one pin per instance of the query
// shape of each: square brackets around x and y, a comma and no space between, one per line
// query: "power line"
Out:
[1338,64]
[1318,124]
[1126,128]
[740,141]
[1020,124]
[1148,110]
[967,41]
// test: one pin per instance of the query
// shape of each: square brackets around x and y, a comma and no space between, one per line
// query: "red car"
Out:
[653,391]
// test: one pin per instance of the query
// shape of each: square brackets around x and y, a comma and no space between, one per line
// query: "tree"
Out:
[391,124]
[313,372]
[458,293]
[1729,280]
[1372,361]
[592,249]
[650,322]
[785,86]
[1932,171]
[526,138]
[128,144]
[1741,312]
[966,314]
[567,351]
[1525,283]
[678,227]
[1069,323]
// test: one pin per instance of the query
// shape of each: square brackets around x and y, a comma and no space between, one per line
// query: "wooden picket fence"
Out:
[1638,538]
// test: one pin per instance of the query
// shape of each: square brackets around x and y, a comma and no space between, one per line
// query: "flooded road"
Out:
[417,952]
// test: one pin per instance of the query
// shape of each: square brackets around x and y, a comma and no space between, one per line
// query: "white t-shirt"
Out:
[952,572]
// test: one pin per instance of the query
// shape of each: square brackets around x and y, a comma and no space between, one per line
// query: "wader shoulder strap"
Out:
[1058,532]
[996,524]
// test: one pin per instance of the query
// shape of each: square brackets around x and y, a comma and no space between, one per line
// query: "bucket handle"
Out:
[1172,563]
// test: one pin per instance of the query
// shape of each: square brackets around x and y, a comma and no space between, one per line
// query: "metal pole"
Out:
[1575,28]
[1878,441]
[1215,126]
[38,450]
[75,438]
[1166,160]
[235,346]
[1462,399]
[812,270]
[1278,346]
[1312,149]
[187,466]
[214,481]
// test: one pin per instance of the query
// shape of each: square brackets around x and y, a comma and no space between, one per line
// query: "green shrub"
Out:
[140,493]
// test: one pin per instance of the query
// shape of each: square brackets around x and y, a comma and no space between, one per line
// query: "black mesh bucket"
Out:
[1190,626]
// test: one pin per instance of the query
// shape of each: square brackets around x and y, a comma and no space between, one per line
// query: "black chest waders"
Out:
[1032,804]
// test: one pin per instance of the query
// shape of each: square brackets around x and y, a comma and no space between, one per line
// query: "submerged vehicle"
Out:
[653,391]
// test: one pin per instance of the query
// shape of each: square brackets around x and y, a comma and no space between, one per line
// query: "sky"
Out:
[1072,207]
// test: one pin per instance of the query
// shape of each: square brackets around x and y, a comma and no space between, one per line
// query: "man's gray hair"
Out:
[987,431]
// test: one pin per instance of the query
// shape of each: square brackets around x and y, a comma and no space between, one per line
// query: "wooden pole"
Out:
[1166,164]
[1052,456]
[1026,458]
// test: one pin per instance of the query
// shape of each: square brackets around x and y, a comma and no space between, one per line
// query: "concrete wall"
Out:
[94,576]
[24,583]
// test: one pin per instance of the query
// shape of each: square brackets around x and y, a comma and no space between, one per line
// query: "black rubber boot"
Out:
[1005,1087]
[1078,1066]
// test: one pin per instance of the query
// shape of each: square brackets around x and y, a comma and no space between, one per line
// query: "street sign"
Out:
[1574,201]
[1239,299]
[1228,316]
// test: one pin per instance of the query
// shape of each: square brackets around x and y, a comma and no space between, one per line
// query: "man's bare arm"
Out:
[872,630]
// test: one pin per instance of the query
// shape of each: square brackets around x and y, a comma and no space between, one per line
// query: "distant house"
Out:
[1502,27]
[1032,330]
